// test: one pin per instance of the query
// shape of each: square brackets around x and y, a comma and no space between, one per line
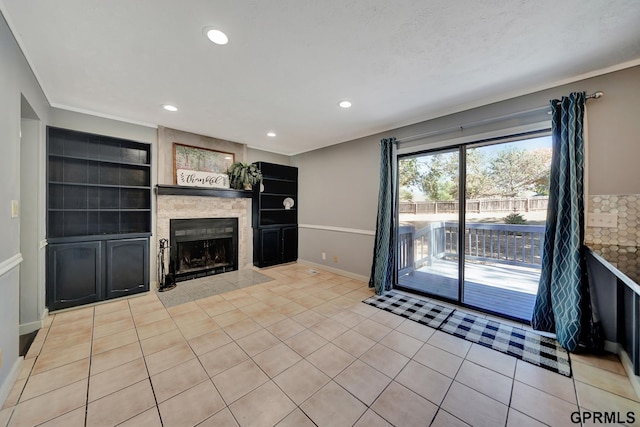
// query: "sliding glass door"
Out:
[428,228]
[471,223]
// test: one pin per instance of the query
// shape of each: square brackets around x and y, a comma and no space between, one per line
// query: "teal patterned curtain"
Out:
[563,304]
[383,266]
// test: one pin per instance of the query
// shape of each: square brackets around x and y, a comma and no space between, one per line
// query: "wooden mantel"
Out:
[177,190]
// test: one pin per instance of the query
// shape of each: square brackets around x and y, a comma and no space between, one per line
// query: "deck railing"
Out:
[495,243]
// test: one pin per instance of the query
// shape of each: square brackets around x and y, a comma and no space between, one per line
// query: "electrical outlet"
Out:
[335,259]
[14,209]
[604,220]
[324,255]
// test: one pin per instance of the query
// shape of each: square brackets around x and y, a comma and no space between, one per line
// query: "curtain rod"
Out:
[595,95]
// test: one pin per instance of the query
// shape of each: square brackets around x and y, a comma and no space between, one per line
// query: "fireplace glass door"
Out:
[203,246]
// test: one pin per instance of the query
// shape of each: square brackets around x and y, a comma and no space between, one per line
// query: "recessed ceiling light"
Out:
[271,134]
[169,107]
[344,104]
[216,36]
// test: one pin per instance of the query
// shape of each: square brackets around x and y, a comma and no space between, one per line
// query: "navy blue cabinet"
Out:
[275,215]
[127,267]
[74,274]
[98,217]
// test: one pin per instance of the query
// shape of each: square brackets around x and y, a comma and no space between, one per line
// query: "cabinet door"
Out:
[269,246]
[73,274]
[127,267]
[289,244]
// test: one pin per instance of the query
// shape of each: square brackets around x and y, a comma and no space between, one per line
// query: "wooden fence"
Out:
[476,206]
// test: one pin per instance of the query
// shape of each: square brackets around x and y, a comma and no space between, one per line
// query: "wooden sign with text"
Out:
[191,178]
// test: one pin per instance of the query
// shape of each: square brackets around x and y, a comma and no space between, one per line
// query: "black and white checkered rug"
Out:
[418,310]
[517,342]
[521,343]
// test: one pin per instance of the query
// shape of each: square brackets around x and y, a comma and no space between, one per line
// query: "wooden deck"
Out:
[508,290]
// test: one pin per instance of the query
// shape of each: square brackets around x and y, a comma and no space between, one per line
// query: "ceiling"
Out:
[289,62]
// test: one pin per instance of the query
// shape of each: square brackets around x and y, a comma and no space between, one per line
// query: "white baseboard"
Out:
[27,328]
[616,348]
[335,270]
[8,383]
[612,347]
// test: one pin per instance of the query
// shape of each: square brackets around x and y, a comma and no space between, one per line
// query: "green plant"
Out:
[406,195]
[514,218]
[243,173]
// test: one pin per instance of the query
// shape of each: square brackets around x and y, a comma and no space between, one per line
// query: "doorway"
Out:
[30,210]
[471,223]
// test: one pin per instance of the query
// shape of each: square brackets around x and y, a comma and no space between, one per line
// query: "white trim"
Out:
[27,328]
[616,348]
[16,36]
[338,229]
[9,264]
[43,244]
[281,153]
[103,115]
[8,383]
[334,270]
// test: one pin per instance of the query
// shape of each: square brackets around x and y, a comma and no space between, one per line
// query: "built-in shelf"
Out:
[275,228]
[177,190]
[98,217]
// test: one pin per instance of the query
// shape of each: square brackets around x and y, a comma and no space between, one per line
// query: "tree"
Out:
[479,182]
[515,170]
[408,172]
[507,173]
[438,180]
[406,195]
[543,157]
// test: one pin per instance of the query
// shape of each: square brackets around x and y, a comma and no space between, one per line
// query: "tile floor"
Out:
[300,350]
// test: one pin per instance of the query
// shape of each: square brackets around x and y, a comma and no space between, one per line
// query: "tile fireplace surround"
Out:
[188,207]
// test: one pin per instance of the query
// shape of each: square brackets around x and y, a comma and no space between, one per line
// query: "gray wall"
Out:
[255,155]
[614,134]
[339,184]
[16,80]
[338,187]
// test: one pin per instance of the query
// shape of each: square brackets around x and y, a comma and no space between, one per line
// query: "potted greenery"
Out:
[243,175]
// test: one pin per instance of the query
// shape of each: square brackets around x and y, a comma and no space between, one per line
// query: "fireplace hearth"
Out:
[203,246]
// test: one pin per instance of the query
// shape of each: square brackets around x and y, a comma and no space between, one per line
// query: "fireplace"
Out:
[203,246]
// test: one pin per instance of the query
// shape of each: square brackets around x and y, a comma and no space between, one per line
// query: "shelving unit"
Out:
[275,228]
[99,199]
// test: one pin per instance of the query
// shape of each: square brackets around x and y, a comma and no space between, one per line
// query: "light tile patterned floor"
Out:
[295,351]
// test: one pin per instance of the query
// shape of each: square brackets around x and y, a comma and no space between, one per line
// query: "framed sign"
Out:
[200,167]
